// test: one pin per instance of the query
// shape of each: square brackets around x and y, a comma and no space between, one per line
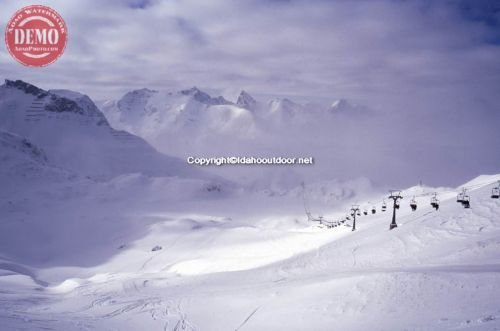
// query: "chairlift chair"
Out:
[466,201]
[495,193]
[460,197]
[374,210]
[435,202]
[358,213]
[413,204]
[365,212]
[397,204]
[384,206]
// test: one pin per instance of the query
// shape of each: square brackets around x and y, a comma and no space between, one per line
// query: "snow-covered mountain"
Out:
[75,135]
[179,121]
[151,113]
[140,107]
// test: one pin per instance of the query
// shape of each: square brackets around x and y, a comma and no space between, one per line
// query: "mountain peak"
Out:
[245,100]
[203,97]
[197,94]
[191,91]
[25,87]
[144,91]
[139,93]
[58,101]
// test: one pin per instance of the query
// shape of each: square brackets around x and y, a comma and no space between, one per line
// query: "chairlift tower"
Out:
[354,211]
[395,196]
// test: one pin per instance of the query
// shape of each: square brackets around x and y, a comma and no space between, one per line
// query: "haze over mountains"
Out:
[176,121]
[347,140]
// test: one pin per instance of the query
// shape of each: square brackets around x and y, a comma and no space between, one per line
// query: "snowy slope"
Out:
[75,135]
[17,151]
[23,161]
[249,262]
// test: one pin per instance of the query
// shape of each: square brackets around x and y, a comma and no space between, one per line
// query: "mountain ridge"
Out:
[76,136]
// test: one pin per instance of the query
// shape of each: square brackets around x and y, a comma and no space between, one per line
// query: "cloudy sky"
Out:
[355,49]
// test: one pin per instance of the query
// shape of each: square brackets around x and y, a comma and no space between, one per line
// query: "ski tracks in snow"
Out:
[247,319]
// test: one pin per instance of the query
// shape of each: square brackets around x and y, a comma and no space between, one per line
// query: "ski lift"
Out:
[464,198]
[435,201]
[461,196]
[466,201]
[329,224]
[397,204]
[374,210]
[321,222]
[358,213]
[495,192]
[365,212]
[384,206]
[413,204]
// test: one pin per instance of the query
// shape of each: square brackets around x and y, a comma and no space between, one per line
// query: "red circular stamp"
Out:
[36,36]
